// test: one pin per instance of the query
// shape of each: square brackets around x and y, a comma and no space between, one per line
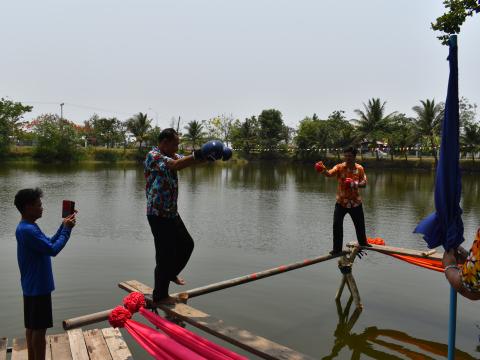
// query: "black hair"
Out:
[167,134]
[350,149]
[26,197]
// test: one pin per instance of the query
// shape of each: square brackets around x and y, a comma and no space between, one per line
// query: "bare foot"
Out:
[169,300]
[179,281]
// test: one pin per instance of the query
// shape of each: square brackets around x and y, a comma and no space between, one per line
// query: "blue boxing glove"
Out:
[211,151]
[227,153]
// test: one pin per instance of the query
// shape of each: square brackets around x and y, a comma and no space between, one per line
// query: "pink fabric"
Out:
[158,345]
[191,340]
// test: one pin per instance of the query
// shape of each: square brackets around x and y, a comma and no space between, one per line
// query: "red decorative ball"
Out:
[134,301]
[119,316]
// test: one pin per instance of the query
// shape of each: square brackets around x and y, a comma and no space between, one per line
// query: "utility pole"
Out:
[178,125]
[61,116]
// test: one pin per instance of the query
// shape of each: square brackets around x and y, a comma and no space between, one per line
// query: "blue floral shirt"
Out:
[162,185]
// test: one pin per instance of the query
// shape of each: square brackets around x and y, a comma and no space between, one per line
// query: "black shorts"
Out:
[37,312]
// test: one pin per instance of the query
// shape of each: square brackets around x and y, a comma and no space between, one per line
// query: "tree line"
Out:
[373,130]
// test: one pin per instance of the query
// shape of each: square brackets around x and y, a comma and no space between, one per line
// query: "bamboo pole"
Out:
[86,319]
[103,315]
[258,275]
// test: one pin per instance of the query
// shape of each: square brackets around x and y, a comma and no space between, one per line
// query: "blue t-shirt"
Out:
[34,250]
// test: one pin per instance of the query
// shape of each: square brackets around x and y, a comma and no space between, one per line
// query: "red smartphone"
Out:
[68,208]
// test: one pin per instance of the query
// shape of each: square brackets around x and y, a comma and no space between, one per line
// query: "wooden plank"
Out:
[244,339]
[3,348]
[77,344]
[19,349]
[117,346]
[60,347]
[134,285]
[48,350]
[96,345]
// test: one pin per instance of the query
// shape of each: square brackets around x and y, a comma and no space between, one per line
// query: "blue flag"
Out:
[445,225]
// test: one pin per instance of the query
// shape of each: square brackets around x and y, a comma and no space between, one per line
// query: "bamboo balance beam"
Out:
[257,276]
[103,315]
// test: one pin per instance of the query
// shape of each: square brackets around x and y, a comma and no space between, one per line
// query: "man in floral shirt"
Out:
[173,243]
[350,176]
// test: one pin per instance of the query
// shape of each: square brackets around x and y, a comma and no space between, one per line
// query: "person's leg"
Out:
[163,231]
[39,343]
[338,216]
[359,222]
[28,336]
[184,248]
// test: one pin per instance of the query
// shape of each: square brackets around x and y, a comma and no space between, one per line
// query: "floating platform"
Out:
[95,344]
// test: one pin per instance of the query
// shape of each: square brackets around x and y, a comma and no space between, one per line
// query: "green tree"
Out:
[57,139]
[271,128]
[451,21]
[10,115]
[107,131]
[244,135]
[373,123]
[195,133]
[152,136]
[429,116]
[401,135]
[470,139]
[220,127]
[340,131]
[138,125]
[312,136]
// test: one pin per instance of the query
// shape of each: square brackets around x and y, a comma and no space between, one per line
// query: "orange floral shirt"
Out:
[471,267]
[346,196]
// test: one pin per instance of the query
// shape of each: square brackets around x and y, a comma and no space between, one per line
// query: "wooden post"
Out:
[345,264]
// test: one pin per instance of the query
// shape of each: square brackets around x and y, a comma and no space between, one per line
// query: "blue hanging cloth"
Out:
[445,225]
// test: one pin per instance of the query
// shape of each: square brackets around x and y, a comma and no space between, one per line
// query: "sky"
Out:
[199,59]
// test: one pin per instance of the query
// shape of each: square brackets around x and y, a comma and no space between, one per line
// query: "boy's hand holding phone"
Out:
[68,213]
[70,221]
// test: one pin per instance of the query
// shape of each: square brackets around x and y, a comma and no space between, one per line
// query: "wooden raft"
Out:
[96,344]
[244,339]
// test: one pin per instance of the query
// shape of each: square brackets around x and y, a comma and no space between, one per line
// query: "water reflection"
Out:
[382,343]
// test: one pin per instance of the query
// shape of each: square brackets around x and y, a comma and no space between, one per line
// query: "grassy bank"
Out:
[106,155]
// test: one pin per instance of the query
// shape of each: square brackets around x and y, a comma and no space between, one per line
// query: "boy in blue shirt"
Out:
[34,250]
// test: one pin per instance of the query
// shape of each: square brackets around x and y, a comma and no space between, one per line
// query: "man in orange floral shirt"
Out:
[350,176]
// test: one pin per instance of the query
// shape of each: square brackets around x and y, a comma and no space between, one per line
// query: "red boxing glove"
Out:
[320,167]
[350,183]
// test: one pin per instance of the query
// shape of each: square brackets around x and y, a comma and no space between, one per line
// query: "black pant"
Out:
[356,213]
[173,247]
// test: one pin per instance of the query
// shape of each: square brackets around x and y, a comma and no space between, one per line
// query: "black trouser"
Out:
[173,247]
[356,213]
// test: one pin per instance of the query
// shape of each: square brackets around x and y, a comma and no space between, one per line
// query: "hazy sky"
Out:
[198,59]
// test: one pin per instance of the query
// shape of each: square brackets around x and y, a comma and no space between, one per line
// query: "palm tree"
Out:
[372,122]
[194,133]
[428,121]
[471,138]
[138,125]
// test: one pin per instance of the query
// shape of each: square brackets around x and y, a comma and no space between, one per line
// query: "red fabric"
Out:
[191,340]
[119,316]
[159,345]
[435,265]
[180,344]
[134,301]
